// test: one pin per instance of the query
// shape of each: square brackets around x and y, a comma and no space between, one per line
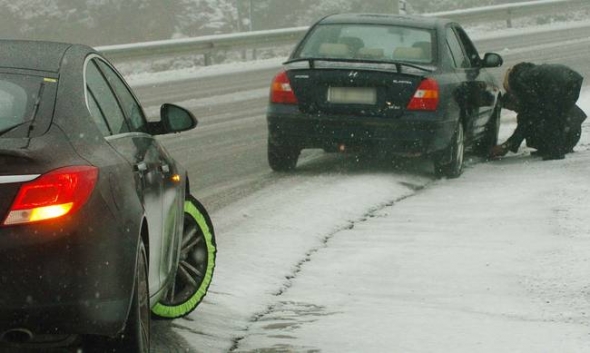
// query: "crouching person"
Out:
[544,98]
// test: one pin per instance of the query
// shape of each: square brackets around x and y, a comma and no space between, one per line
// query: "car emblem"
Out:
[353,74]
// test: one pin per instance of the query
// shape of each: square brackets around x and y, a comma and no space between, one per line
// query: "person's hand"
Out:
[498,151]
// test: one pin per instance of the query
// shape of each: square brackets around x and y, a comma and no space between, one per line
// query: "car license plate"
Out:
[352,95]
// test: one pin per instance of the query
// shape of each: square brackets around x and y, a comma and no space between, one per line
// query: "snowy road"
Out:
[366,256]
[372,258]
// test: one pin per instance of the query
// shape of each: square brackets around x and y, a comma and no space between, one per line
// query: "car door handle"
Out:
[141,167]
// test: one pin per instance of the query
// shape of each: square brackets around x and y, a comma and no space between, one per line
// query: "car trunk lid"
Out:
[355,89]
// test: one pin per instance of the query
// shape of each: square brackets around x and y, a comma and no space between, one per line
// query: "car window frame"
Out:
[108,120]
[121,89]
[468,47]
[99,119]
[456,50]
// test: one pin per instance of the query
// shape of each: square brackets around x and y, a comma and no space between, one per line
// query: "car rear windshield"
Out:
[374,42]
[19,96]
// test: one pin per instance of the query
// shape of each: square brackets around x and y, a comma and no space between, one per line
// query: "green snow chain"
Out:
[186,307]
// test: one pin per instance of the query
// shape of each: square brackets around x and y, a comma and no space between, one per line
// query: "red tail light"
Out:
[280,90]
[426,96]
[53,195]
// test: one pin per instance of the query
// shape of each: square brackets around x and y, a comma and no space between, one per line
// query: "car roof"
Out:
[33,55]
[385,19]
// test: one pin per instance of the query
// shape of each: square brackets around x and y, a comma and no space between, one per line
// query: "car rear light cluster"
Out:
[426,96]
[52,195]
[281,91]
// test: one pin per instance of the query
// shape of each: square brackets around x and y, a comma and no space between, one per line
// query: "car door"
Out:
[124,127]
[474,93]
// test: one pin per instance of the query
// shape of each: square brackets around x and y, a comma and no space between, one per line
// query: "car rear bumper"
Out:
[414,134]
[72,276]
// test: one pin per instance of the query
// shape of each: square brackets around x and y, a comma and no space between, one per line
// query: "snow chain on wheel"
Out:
[195,215]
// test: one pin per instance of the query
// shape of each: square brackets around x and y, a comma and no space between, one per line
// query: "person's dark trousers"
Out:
[573,127]
[556,130]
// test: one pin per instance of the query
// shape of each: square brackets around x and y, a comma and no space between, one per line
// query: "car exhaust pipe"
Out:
[17,335]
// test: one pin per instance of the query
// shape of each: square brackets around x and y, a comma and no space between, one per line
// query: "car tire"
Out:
[490,138]
[456,149]
[196,265]
[136,335]
[282,158]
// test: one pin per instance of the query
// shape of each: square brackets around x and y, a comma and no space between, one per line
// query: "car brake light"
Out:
[426,96]
[280,90]
[52,195]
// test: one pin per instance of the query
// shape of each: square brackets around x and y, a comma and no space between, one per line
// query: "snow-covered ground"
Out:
[396,261]
[392,260]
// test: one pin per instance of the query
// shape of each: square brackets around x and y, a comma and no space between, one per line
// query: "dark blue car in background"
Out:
[385,84]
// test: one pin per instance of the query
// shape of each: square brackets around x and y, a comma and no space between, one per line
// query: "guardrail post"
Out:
[509,18]
[207,57]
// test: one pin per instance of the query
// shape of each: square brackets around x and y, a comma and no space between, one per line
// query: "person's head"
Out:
[513,77]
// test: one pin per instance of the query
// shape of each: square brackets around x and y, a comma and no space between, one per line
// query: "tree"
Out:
[114,21]
[203,17]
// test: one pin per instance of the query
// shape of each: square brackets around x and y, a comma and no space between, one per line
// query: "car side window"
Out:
[13,104]
[457,53]
[469,48]
[128,102]
[106,102]
[97,115]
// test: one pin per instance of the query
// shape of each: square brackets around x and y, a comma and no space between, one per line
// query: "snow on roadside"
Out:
[264,239]
[493,261]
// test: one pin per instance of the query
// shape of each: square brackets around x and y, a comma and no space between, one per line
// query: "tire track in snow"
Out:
[289,279]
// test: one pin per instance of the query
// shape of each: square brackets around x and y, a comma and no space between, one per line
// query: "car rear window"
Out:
[375,42]
[18,97]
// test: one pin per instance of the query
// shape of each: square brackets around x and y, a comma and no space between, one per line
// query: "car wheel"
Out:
[490,138]
[454,167]
[136,335]
[196,265]
[282,158]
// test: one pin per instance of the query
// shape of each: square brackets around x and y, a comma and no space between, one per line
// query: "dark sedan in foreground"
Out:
[99,231]
[385,84]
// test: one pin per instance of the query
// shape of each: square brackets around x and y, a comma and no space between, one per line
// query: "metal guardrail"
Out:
[509,12]
[205,45]
[208,45]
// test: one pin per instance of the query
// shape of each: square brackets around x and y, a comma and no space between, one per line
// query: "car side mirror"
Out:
[492,60]
[176,119]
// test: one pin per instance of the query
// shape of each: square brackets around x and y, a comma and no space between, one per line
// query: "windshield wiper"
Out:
[398,64]
[35,109]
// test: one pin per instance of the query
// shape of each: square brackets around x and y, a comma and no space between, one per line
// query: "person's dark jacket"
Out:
[544,97]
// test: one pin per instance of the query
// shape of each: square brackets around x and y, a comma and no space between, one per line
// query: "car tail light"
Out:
[52,195]
[426,96]
[280,90]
